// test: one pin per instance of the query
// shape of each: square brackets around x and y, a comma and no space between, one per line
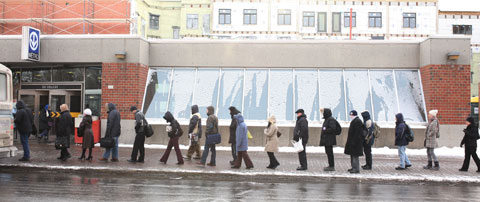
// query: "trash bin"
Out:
[95,129]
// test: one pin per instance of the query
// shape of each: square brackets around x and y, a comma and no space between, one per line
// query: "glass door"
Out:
[35,101]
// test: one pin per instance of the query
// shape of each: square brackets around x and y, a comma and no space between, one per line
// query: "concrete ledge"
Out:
[6,152]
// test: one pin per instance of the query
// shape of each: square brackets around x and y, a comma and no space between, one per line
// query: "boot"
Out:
[429,166]
[437,166]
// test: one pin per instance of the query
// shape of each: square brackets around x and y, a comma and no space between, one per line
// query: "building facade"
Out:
[259,78]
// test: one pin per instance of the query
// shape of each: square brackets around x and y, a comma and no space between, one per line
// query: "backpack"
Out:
[376,130]
[338,128]
[147,128]
[408,132]
[179,131]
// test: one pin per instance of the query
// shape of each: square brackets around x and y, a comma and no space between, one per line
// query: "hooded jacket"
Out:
[176,130]
[301,129]
[23,118]
[367,121]
[471,136]
[271,135]
[43,119]
[400,127]
[212,122]
[354,145]
[195,121]
[113,121]
[241,133]
[328,137]
[233,125]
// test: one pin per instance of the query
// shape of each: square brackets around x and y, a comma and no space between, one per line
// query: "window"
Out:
[346,19]
[68,74]
[336,22]
[332,93]
[322,22]
[93,78]
[250,16]
[308,19]
[259,93]
[374,19]
[225,16]
[306,92]
[256,94]
[409,20]
[206,23]
[281,94]
[206,89]
[231,92]
[284,17]
[37,75]
[462,29]
[192,21]
[3,87]
[154,21]
[176,32]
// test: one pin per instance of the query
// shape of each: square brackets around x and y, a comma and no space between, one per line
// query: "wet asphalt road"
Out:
[52,186]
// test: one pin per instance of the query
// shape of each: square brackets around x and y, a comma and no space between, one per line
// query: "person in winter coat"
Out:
[114,131]
[211,129]
[355,139]
[233,127]
[328,137]
[195,133]
[242,143]
[24,123]
[401,141]
[431,135]
[64,128]
[470,142]
[86,128]
[301,132]
[369,140]
[139,143]
[44,123]
[271,145]
[174,133]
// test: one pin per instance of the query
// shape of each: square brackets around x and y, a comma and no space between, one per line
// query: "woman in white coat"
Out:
[272,142]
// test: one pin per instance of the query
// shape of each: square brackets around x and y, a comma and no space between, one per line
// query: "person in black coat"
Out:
[301,132]
[85,128]
[139,142]
[369,140]
[24,122]
[470,142]
[354,145]
[328,137]
[195,133]
[233,128]
[174,133]
[401,141]
[44,123]
[114,131]
[64,128]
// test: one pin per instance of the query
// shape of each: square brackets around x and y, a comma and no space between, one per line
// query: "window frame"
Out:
[152,25]
[459,28]
[339,16]
[409,17]
[5,86]
[373,15]
[251,14]
[325,24]
[282,15]
[346,19]
[224,15]
[191,18]
[309,15]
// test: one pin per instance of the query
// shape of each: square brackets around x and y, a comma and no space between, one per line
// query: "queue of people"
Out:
[361,137]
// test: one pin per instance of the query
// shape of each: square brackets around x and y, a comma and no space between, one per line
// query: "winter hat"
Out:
[300,111]
[353,113]
[433,112]
[87,112]
[471,120]
[132,108]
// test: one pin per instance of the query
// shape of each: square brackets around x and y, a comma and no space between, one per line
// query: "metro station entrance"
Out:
[37,96]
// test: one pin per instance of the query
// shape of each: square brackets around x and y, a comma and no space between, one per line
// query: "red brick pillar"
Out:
[447,89]
[124,85]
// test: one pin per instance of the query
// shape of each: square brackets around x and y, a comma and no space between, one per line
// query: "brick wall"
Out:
[447,88]
[128,81]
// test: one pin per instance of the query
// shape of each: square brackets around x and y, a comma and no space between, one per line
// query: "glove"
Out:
[461,145]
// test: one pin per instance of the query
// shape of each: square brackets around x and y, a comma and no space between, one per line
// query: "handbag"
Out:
[297,146]
[61,142]
[213,139]
[107,142]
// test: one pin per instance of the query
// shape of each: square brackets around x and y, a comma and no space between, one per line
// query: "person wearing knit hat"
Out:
[301,132]
[431,134]
[470,142]
[85,131]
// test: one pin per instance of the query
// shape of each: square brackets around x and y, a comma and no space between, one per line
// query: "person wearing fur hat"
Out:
[470,142]
[85,129]
[431,135]
[301,132]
